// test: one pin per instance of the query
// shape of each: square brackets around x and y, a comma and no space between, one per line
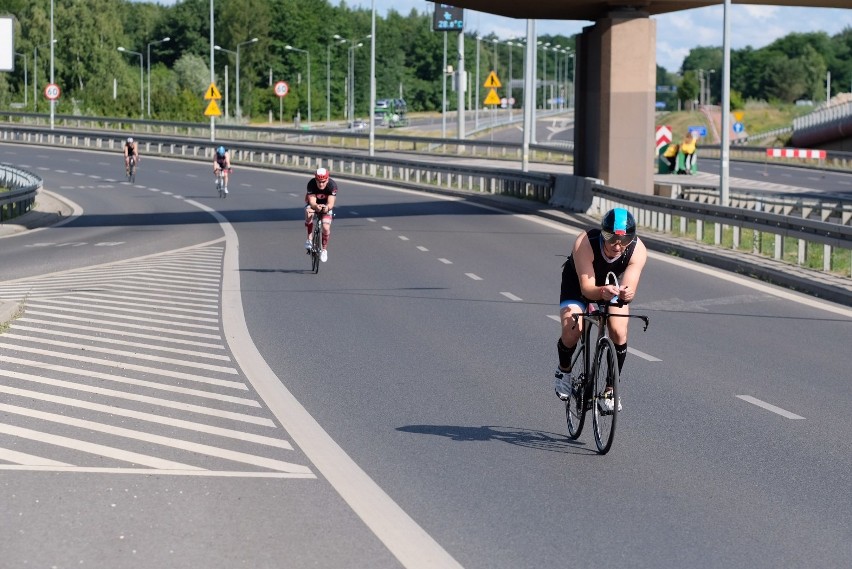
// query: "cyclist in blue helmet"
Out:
[611,248]
[222,161]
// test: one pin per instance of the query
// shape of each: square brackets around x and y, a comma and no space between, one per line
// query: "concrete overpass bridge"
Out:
[615,81]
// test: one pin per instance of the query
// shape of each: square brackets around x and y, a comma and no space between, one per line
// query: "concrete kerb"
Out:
[49,210]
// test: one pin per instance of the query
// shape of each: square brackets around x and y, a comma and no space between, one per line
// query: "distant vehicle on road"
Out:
[358,124]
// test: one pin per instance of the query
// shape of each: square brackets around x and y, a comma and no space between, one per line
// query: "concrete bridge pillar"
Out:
[615,95]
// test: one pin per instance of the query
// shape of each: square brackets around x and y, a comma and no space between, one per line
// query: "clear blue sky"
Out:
[677,33]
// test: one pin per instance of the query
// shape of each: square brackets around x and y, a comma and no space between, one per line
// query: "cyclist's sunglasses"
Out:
[613,238]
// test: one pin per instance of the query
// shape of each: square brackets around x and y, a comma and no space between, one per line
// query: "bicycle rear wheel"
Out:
[575,407]
[606,375]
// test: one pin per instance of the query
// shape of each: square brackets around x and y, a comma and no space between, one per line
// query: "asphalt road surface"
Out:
[180,391]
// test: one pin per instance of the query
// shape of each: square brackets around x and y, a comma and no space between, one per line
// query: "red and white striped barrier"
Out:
[795,153]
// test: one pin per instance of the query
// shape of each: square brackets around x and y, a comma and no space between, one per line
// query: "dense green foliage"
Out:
[98,79]
[791,68]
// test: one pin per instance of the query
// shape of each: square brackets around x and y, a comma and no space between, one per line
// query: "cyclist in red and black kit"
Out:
[319,200]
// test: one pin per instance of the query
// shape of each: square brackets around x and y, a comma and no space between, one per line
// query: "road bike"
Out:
[316,243]
[131,169]
[220,182]
[598,377]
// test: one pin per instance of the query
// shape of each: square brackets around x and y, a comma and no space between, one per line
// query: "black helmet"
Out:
[618,222]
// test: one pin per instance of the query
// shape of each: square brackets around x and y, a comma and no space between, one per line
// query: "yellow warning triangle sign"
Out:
[212,109]
[492,98]
[212,93]
[492,82]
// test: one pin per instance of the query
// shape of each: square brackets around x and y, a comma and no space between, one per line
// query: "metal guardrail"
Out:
[822,116]
[330,137]
[654,212]
[18,190]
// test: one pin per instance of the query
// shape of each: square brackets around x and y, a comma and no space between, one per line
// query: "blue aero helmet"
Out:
[220,151]
[618,225]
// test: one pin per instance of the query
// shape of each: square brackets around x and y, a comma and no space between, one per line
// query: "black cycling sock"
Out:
[565,354]
[620,354]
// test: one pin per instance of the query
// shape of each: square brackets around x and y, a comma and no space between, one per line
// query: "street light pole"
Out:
[236,53]
[308,53]
[141,77]
[476,113]
[52,42]
[239,45]
[26,84]
[35,73]
[220,48]
[350,70]
[149,70]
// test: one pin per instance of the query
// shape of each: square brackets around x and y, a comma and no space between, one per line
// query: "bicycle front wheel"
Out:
[575,407]
[316,247]
[606,378]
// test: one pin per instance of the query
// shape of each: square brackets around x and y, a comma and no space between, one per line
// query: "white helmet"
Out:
[129,140]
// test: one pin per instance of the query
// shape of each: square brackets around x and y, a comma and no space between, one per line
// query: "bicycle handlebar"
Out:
[603,315]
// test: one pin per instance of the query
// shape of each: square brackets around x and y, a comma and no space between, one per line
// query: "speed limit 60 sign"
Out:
[52,91]
[282,88]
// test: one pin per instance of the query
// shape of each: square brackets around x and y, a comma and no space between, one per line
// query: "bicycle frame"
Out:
[595,375]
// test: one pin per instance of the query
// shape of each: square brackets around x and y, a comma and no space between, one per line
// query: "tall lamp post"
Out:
[35,72]
[149,70]
[141,77]
[328,78]
[350,62]
[237,54]
[544,76]
[308,53]
[26,84]
[476,113]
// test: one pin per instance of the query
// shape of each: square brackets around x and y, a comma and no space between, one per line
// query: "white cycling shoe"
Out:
[308,244]
[323,255]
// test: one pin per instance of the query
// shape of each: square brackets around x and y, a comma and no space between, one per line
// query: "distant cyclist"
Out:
[131,148]
[222,161]
[615,248]
[320,198]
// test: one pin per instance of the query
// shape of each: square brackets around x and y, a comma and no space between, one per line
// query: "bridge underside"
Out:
[596,9]
[615,82]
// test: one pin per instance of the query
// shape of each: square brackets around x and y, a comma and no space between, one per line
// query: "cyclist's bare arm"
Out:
[330,204]
[630,280]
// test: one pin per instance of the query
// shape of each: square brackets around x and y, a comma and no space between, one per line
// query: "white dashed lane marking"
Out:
[473,276]
[769,407]
[511,296]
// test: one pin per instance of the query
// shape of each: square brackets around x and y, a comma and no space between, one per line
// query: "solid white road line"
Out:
[149,417]
[243,418]
[111,326]
[123,333]
[123,353]
[769,407]
[643,355]
[156,472]
[199,448]
[28,459]
[404,537]
[117,379]
[122,365]
[93,448]
[16,327]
